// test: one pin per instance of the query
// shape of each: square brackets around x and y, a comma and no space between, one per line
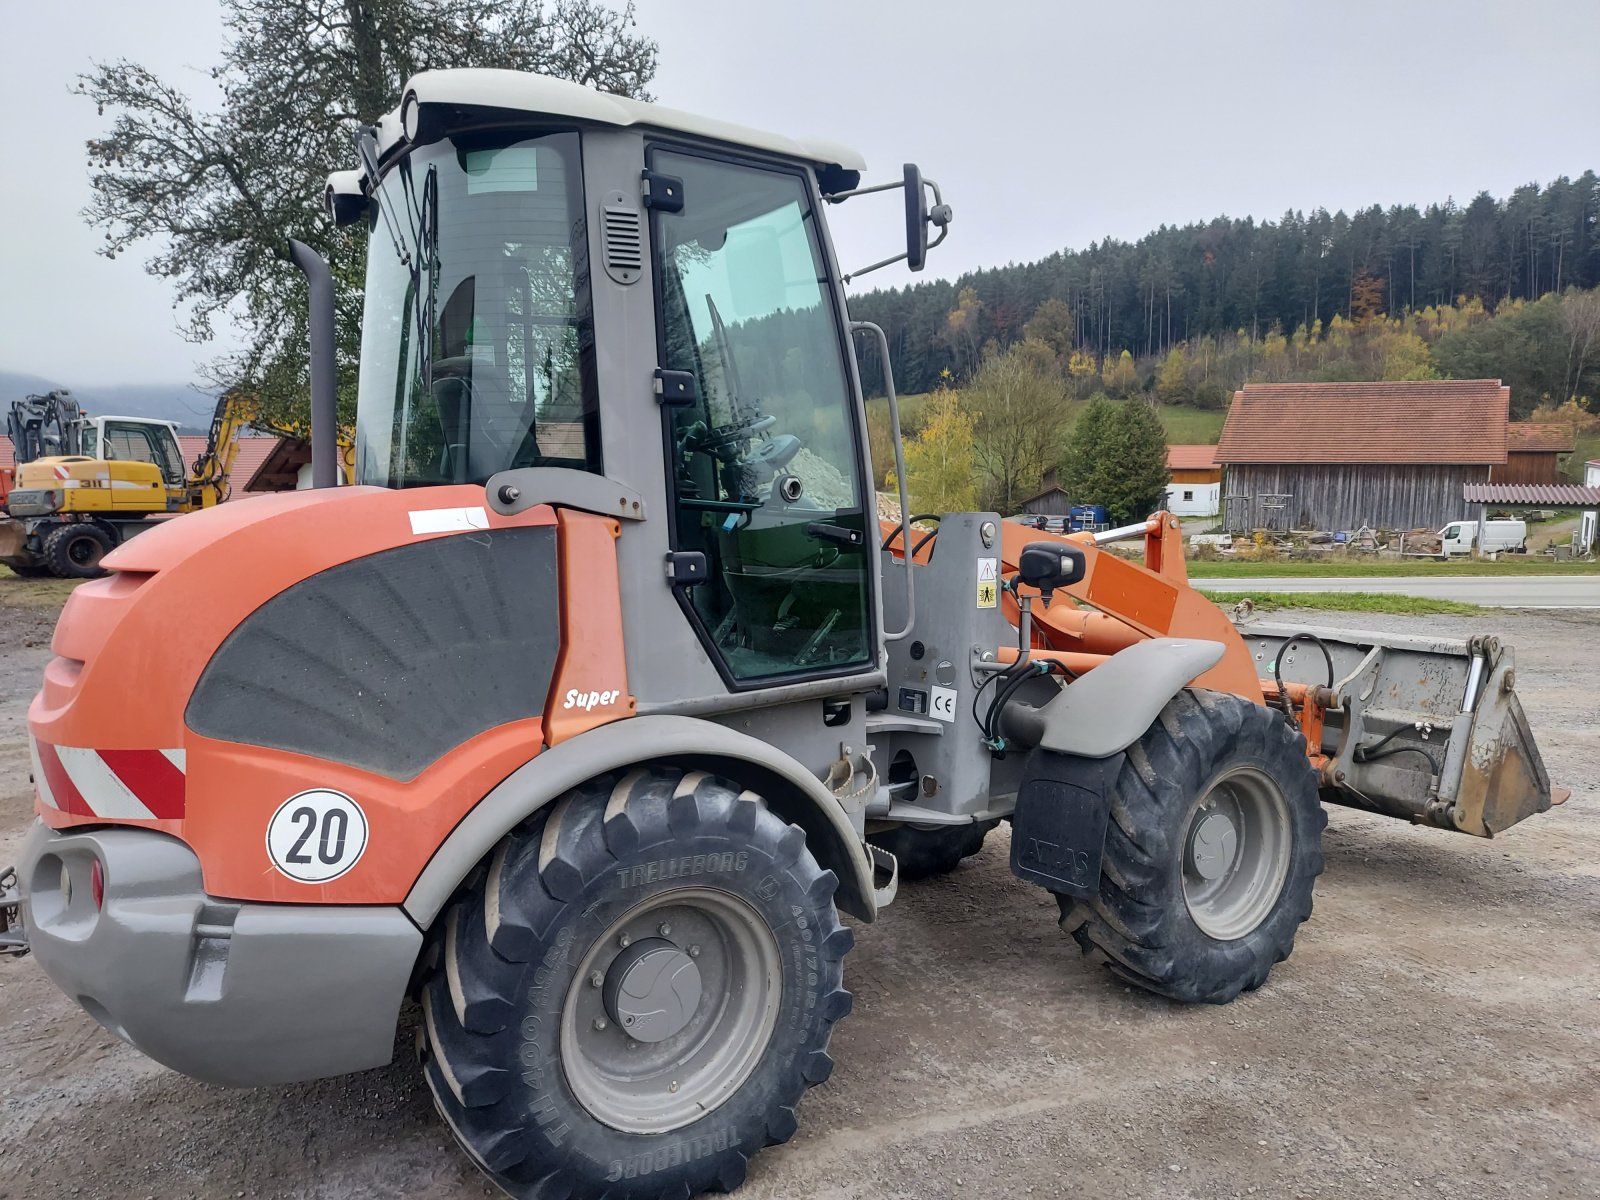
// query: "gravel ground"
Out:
[1434,1033]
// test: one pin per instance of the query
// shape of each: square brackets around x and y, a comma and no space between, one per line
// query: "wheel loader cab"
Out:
[540,297]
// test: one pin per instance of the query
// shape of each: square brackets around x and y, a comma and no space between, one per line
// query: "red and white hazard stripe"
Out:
[62,473]
[134,785]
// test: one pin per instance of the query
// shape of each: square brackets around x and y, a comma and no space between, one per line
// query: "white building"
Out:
[1588,527]
[1196,487]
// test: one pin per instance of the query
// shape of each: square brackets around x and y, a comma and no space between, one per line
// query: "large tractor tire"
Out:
[924,853]
[632,998]
[1214,845]
[74,550]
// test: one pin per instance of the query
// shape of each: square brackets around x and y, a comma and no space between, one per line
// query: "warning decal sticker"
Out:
[988,582]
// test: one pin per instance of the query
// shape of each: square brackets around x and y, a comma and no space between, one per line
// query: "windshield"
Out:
[477,344]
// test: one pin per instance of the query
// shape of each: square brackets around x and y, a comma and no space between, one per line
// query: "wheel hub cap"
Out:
[1212,845]
[652,990]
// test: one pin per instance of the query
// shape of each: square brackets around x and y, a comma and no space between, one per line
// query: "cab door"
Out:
[771,529]
[139,442]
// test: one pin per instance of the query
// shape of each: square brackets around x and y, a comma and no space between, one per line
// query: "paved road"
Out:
[1506,591]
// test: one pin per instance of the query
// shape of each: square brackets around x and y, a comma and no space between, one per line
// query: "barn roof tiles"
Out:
[1539,437]
[1427,422]
[1191,458]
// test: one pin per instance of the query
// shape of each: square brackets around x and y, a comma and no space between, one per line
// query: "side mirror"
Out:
[919,216]
[916,218]
[1051,565]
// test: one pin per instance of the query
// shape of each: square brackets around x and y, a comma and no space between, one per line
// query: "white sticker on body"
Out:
[316,836]
[447,520]
[988,568]
[942,704]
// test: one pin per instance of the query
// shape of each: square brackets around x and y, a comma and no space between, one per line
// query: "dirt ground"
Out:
[1435,1032]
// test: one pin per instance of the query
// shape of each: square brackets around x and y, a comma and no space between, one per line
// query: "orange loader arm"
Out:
[1119,603]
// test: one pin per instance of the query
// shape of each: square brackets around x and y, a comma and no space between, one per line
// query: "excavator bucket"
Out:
[1429,730]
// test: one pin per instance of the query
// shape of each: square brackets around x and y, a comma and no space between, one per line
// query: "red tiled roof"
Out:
[1538,437]
[1564,495]
[1458,421]
[1191,458]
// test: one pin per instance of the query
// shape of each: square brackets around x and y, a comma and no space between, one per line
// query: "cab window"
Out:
[764,463]
[145,443]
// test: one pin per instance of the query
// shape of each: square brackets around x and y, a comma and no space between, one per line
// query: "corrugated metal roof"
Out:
[1191,458]
[1455,421]
[1538,437]
[1547,495]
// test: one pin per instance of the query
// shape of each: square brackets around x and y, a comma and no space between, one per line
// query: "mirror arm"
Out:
[864,270]
[841,197]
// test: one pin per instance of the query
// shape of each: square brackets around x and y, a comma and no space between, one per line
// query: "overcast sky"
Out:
[1049,124]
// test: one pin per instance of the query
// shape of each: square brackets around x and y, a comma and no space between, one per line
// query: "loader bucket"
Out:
[1428,730]
[1503,778]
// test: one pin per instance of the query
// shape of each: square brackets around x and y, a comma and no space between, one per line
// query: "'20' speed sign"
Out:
[317,835]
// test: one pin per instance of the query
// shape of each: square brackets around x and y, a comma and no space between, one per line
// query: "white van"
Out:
[1498,536]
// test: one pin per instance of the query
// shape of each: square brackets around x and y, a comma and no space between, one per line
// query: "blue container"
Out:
[1086,516]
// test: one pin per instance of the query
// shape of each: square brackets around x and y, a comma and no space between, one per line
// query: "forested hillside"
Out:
[1399,293]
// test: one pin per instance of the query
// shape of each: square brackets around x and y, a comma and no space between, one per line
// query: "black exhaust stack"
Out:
[324,426]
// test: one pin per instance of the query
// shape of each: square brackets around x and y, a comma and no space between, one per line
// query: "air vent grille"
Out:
[623,237]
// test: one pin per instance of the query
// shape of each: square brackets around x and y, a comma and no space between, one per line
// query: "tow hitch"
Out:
[13,935]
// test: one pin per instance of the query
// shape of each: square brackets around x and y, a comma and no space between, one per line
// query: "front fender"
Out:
[1107,710]
[791,791]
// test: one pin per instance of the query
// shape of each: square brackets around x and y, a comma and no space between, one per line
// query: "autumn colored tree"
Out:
[1019,408]
[941,470]
[1119,375]
[1172,380]
[1366,297]
[1052,324]
[963,330]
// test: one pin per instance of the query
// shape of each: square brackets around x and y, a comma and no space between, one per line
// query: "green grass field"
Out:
[1367,602]
[1216,568]
[1191,426]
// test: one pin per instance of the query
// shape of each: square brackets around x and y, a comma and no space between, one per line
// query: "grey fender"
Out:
[1108,709]
[791,791]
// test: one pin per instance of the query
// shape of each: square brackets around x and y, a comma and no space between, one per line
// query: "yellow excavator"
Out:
[83,485]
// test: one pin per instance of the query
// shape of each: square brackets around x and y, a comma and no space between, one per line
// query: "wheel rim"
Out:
[671,1010]
[84,551]
[1236,846]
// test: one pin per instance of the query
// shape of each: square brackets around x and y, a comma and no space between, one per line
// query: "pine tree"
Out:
[1117,457]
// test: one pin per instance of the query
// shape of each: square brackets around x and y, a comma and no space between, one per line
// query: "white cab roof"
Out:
[523,91]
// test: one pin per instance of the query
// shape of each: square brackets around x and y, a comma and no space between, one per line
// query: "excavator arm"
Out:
[210,478]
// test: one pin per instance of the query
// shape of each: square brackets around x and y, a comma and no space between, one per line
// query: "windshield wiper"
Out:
[367,148]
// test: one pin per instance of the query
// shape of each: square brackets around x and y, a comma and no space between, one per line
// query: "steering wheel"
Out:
[720,437]
[773,454]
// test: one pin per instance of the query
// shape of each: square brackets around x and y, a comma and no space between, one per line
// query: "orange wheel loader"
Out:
[581,718]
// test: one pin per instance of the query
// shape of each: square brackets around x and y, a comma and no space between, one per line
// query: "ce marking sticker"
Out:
[942,703]
[316,836]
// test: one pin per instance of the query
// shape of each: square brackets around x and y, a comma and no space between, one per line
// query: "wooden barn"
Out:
[1534,450]
[1337,456]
